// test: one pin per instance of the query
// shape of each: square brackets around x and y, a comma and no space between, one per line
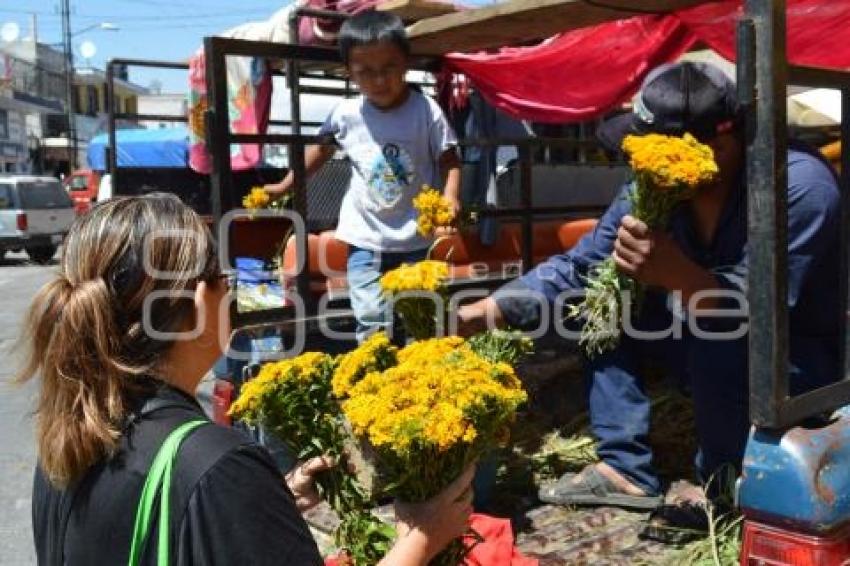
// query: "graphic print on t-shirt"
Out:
[391,172]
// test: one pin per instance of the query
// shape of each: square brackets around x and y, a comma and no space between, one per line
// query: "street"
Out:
[19,282]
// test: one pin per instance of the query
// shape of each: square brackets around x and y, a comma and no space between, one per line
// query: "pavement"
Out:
[19,282]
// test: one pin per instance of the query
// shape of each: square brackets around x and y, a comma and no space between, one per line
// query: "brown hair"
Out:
[86,333]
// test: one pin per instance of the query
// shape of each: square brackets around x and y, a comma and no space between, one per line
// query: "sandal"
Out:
[677,524]
[594,489]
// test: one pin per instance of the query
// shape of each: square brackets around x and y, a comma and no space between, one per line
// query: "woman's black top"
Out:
[229,502]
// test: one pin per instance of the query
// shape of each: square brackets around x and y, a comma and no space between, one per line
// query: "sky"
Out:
[148,29]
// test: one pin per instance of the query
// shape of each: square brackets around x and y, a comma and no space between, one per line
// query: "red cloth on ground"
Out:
[497,549]
[583,74]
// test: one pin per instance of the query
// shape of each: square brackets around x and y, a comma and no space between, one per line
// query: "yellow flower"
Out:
[428,275]
[257,198]
[299,370]
[375,354]
[425,351]
[671,162]
[434,210]
[440,396]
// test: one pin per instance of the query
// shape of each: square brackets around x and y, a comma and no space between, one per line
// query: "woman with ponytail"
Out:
[130,471]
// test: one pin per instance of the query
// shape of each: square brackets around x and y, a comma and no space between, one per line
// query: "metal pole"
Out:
[217,126]
[218,129]
[69,83]
[525,173]
[767,214]
[845,227]
[112,163]
[297,162]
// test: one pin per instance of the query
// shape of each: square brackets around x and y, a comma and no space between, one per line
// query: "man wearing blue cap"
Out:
[700,263]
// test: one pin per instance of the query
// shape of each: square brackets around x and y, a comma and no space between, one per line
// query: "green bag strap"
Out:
[158,483]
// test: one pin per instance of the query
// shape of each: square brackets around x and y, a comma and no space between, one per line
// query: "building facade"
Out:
[34,133]
[163,104]
[31,90]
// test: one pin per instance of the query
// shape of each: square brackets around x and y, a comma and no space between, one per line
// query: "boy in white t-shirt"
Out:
[397,140]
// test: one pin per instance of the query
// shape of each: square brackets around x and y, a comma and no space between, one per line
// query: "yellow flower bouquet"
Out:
[668,170]
[434,211]
[431,415]
[416,291]
[292,399]
[256,199]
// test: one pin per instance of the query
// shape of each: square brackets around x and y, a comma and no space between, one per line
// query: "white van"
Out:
[35,215]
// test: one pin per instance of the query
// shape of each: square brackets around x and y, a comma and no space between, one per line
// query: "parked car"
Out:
[83,185]
[35,215]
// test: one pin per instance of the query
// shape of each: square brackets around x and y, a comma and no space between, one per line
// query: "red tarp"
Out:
[583,74]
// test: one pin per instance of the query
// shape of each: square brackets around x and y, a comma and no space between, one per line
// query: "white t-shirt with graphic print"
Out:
[393,153]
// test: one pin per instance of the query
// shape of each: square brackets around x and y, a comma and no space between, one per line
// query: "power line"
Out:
[29,12]
[147,28]
[248,10]
[166,3]
[186,16]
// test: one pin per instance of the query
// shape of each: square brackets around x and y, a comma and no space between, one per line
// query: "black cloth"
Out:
[238,512]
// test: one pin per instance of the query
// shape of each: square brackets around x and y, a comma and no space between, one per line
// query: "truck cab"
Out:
[82,186]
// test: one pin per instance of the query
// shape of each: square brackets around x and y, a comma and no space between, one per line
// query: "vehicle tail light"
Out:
[22,222]
[222,398]
[765,545]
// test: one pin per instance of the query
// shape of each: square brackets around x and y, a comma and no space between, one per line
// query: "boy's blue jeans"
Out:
[365,268]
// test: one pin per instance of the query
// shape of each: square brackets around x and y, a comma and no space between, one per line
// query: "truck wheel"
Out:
[41,254]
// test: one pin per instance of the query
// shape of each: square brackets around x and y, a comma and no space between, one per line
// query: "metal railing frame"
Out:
[763,76]
[218,49]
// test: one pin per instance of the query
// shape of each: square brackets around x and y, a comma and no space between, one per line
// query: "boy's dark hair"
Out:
[372,27]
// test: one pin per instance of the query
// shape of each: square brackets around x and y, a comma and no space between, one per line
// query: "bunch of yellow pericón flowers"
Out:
[670,162]
[426,275]
[309,367]
[434,211]
[256,199]
[293,400]
[418,294]
[668,170]
[431,414]
[440,397]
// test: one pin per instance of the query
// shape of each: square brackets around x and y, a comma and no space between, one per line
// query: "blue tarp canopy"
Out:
[165,147]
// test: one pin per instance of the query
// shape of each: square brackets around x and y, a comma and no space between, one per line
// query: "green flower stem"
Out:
[602,307]
[419,316]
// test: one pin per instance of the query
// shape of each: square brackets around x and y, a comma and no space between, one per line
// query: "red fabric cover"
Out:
[574,76]
[817,30]
[497,549]
[584,74]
